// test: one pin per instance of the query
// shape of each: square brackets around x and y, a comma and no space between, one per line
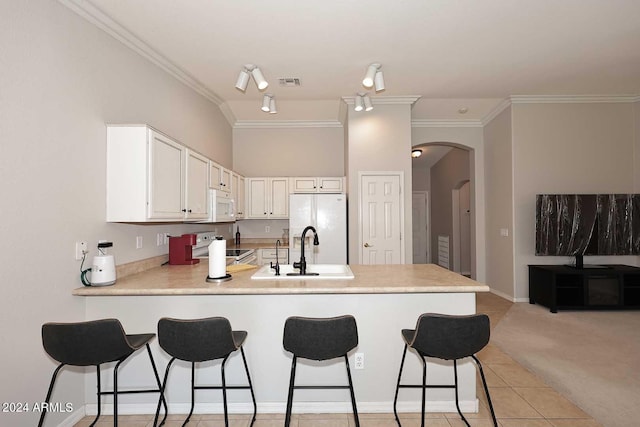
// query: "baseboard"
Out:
[503,295]
[280,407]
[73,418]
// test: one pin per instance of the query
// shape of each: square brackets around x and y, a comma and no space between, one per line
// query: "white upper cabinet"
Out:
[267,198]
[196,186]
[219,177]
[306,184]
[238,194]
[151,177]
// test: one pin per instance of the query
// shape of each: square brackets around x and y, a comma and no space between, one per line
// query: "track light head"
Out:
[370,75]
[379,81]
[266,103]
[368,106]
[272,105]
[359,104]
[261,82]
[243,80]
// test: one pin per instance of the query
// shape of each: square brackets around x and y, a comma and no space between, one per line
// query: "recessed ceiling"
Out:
[454,54]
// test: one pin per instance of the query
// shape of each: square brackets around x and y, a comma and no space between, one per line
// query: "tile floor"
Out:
[520,399]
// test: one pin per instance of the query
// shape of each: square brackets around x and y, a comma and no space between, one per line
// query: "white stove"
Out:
[234,256]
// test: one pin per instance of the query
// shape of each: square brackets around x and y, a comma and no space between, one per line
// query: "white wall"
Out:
[313,151]
[567,148]
[498,169]
[61,80]
[379,140]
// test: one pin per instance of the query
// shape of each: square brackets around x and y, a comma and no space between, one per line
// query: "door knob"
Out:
[366,245]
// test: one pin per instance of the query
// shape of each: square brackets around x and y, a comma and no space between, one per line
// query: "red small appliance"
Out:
[180,250]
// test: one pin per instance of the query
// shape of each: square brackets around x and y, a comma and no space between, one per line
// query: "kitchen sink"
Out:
[324,272]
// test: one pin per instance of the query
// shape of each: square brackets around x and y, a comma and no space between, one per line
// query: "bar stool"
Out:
[446,337]
[93,343]
[200,340]
[320,339]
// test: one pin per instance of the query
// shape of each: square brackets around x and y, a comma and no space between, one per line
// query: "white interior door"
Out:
[381,212]
[419,227]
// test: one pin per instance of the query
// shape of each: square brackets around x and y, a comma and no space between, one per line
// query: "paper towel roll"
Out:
[218,259]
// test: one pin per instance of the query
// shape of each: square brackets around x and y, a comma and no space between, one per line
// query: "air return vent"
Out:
[289,81]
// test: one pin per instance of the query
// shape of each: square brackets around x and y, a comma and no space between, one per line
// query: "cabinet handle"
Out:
[184,210]
[189,210]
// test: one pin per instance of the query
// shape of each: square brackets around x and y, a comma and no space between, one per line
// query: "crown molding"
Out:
[385,100]
[446,123]
[572,99]
[95,16]
[286,124]
[497,110]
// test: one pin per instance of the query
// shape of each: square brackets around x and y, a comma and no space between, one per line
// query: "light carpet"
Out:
[591,357]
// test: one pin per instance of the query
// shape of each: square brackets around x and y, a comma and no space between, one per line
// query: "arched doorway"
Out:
[444,174]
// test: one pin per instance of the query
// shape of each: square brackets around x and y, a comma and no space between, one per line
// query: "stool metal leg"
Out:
[287,418]
[193,392]
[424,389]
[486,390]
[53,380]
[224,391]
[155,373]
[253,397]
[115,393]
[162,389]
[455,379]
[353,396]
[99,397]
[395,399]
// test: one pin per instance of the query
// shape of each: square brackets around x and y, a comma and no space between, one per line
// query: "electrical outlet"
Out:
[267,229]
[138,242]
[81,250]
[165,240]
[159,239]
[358,361]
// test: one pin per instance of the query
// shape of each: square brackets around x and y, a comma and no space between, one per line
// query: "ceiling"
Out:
[452,54]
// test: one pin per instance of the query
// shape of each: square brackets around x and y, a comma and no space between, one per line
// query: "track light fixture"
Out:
[359,104]
[243,78]
[374,77]
[269,103]
[266,102]
[261,82]
[363,102]
[368,106]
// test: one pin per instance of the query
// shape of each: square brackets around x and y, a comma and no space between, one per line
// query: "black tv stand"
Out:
[560,287]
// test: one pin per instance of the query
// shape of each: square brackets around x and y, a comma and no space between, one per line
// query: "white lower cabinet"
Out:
[266,256]
[153,178]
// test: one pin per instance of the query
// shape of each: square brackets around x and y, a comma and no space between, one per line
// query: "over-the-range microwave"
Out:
[221,207]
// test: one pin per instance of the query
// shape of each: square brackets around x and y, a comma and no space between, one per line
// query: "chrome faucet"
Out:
[277,266]
[302,264]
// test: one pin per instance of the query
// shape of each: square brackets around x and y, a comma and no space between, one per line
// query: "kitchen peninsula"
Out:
[383,298]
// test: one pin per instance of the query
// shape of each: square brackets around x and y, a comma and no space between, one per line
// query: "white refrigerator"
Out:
[327,213]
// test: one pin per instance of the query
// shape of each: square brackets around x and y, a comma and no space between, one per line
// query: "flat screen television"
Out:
[587,224]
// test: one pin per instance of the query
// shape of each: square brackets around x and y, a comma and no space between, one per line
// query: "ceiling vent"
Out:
[289,81]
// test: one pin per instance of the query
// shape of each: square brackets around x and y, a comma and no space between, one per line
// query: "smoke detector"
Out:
[289,81]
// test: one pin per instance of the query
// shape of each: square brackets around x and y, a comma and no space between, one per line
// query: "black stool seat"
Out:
[93,343]
[446,337]
[200,340]
[320,339]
